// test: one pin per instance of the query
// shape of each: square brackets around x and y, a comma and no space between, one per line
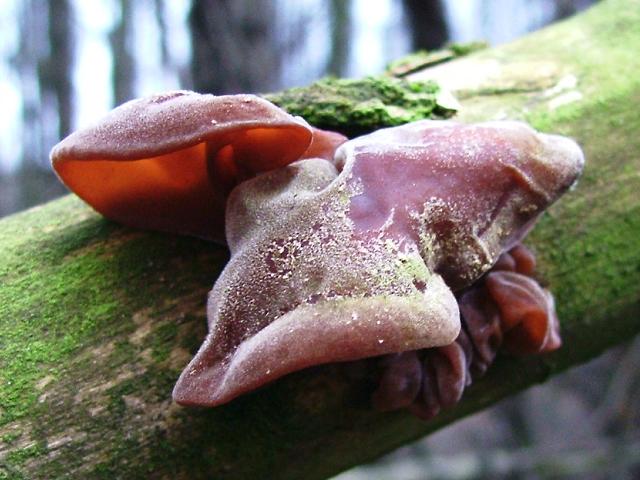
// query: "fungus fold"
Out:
[505,309]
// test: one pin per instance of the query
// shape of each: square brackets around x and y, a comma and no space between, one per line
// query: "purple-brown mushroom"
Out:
[167,162]
[520,319]
[378,253]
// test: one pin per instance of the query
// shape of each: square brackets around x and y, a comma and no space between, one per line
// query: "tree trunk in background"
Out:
[427,23]
[121,40]
[33,44]
[566,8]
[340,14]
[45,67]
[162,13]
[235,46]
[55,72]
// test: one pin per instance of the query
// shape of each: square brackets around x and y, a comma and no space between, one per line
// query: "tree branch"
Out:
[96,320]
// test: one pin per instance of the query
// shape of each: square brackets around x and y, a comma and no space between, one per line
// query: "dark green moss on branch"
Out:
[355,107]
[82,340]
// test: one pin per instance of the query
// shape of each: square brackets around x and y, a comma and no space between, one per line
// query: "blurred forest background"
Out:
[64,63]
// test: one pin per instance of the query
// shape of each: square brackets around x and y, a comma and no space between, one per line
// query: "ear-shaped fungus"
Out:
[167,162]
[361,257]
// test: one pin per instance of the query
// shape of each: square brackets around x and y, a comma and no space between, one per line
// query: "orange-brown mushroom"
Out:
[324,144]
[167,162]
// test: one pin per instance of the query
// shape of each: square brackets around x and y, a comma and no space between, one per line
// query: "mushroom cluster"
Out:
[505,309]
[402,245]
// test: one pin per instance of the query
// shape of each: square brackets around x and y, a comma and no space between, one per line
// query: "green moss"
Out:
[413,267]
[33,301]
[606,265]
[593,231]
[109,469]
[64,290]
[8,472]
[162,340]
[10,437]
[467,48]
[18,457]
[155,382]
[354,107]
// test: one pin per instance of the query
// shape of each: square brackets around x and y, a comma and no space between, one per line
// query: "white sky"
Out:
[92,78]
[380,36]
[495,21]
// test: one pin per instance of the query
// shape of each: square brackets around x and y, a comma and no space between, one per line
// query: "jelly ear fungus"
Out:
[505,309]
[168,162]
[402,245]
[378,252]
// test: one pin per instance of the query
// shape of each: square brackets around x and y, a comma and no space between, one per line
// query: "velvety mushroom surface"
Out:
[373,253]
[167,162]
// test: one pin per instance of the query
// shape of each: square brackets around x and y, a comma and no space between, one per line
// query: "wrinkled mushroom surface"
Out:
[167,162]
[359,257]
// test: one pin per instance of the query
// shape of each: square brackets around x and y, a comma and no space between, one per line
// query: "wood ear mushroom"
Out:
[167,162]
[341,250]
[364,256]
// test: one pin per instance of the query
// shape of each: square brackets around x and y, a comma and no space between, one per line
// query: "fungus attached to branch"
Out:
[340,250]
[505,309]
[362,257]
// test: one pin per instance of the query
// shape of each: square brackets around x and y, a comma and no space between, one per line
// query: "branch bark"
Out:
[97,320]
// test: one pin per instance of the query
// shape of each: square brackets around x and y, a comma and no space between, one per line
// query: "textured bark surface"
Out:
[96,320]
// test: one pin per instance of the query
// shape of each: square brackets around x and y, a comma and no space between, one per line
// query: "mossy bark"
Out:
[96,320]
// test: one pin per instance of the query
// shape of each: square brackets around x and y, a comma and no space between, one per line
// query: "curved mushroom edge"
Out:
[168,161]
[380,251]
